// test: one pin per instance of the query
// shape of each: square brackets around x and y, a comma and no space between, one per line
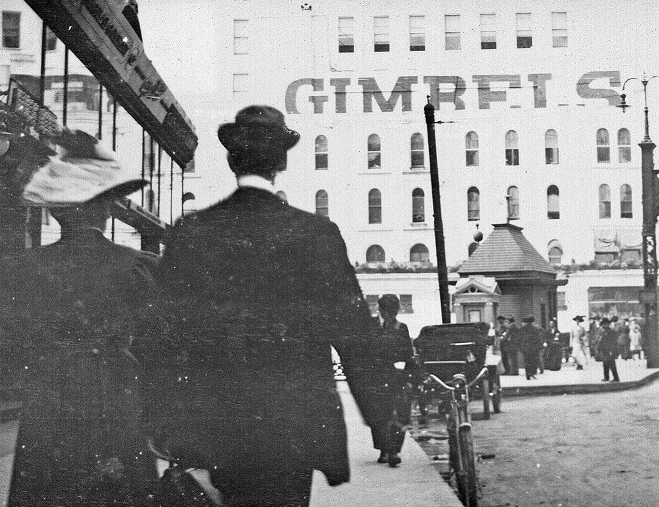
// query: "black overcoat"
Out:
[75,307]
[256,291]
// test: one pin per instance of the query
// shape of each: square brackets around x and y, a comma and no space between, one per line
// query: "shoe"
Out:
[579,367]
[605,380]
[394,460]
[384,457]
[616,380]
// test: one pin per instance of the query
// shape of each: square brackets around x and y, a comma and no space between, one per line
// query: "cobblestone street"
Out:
[566,451]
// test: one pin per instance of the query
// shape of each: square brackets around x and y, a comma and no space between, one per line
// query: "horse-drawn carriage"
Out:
[448,349]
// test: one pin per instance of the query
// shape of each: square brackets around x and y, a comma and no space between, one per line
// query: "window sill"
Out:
[420,169]
[375,228]
[418,226]
[375,171]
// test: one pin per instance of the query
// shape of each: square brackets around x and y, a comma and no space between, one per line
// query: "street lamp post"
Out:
[649,198]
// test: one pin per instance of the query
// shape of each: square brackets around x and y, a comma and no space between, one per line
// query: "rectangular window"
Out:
[605,209]
[452,32]
[417,33]
[524,36]
[240,86]
[240,37]
[406,303]
[624,154]
[603,154]
[11,29]
[551,155]
[381,34]
[559,29]
[488,31]
[561,303]
[346,35]
[512,156]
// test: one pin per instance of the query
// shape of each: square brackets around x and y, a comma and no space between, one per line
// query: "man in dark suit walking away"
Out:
[258,292]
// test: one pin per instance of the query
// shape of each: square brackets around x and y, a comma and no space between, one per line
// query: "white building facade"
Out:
[528,89]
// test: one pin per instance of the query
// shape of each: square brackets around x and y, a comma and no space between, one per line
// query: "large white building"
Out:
[528,89]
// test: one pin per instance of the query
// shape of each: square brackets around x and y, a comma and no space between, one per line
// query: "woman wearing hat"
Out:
[579,342]
[77,306]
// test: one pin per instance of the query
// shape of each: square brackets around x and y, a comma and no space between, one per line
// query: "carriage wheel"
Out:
[496,394]
[485,389]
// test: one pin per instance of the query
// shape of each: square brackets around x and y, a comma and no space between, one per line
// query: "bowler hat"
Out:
[82,171]
[578,318]
[257,127]
[529,319]
[604,321]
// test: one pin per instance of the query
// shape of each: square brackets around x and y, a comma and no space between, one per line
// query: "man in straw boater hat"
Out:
[76,305]
[258,292]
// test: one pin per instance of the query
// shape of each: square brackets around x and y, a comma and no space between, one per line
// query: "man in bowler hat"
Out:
[257,292]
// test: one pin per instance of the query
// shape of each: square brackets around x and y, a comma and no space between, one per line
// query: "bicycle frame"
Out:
[458,425]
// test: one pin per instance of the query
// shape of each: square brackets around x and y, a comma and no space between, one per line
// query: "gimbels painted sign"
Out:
[443,90]
[101,37]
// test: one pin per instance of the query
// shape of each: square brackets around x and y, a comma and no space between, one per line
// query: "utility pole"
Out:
[442,271]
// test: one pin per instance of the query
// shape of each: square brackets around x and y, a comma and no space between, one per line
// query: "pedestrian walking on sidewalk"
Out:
[578,342]
[255,293]
[554,347]
[530,337]
[608,350]
[392,344]
[510,347]
[635,342]
[77,304]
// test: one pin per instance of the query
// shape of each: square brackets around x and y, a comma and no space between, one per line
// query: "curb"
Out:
[552,390]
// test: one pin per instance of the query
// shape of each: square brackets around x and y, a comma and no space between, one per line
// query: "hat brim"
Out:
[234,136]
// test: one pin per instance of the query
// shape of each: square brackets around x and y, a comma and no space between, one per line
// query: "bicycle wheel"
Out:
[454,456]
[470,497]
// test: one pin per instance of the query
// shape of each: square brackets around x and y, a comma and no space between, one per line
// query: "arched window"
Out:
[418,206]
[419,253]
[603,146]
[375,253]
[553,210]
[624,146]
[551,147]
[416,147]
[321,153]
[605,201]
[374,207]
[473,204]
[554,252]
[512,148]
[322,203]
[374,149]
[282,195]
[471,146]
[625,201]
[513,203]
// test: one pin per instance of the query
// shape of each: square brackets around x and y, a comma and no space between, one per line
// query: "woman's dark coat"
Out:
[255,292]
[76,306]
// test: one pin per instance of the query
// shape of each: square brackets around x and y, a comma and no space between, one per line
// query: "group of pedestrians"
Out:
[539,348]
[216,356]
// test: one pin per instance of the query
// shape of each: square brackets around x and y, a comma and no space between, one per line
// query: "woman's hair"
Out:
[389,303]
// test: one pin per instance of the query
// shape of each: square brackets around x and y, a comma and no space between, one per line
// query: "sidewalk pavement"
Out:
[633,373]
[416,481]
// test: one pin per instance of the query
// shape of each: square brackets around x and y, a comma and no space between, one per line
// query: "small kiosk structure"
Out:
[476,299]
[526,281]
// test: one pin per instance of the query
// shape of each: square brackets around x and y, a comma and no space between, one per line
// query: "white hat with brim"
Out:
[71,181]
